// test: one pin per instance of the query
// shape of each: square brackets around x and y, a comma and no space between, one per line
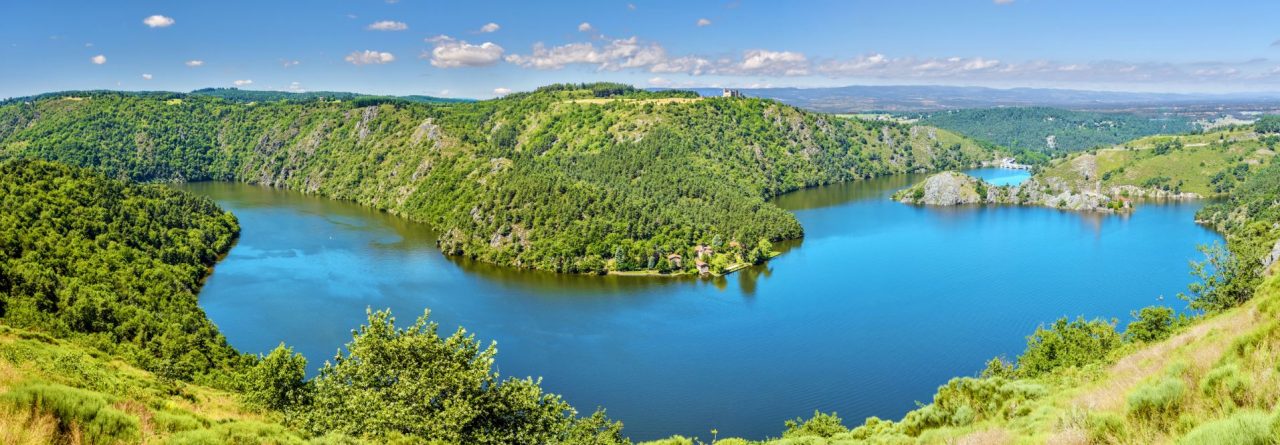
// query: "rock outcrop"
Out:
[954,188]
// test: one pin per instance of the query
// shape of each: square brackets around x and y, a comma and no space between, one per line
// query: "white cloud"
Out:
[289,63]
[659,82]
[613,55]
[146,76]
[785,63]
[98,59]
[490,27]
[295,87]
[453,53]
[585,27]
[631,6]
[369,56]
[501,91]
[387,25]
[242,82]
[194,63]
[158,21]
[443,93]
[704,22]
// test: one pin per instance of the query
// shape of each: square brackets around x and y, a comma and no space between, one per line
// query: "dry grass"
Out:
[985,437]
[1209,338]
[19,427]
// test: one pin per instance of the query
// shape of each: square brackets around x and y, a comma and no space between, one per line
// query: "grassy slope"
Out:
[54,391]
[1202,157]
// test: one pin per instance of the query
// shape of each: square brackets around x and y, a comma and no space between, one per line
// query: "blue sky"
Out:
[445,48]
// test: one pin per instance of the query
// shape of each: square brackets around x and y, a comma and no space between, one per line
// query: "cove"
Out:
[875,308]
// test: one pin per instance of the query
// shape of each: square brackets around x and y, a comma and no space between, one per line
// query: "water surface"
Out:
[1001,176]
[876,307]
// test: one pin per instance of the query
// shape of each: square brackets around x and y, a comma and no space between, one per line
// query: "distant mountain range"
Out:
[854,99]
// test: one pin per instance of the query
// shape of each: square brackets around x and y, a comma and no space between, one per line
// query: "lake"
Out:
[875,308]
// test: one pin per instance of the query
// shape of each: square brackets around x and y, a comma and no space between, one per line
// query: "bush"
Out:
[278,381]
[1245,428]
[78,412]
[1152,323]
[1226,385]
[413,382]
[1066,344]
[1105,427]
[1158,401]
[966,400]
[820,425]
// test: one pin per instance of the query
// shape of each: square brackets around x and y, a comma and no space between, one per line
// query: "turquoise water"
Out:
[1001,176]
[876,307]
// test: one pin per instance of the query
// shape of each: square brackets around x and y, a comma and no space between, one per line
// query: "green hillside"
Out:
[570,178]
[1209,164]
[1050,130]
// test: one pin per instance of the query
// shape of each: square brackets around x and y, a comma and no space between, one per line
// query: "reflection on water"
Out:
[876,307]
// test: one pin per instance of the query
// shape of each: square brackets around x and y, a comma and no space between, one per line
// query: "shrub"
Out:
[278,380]
[1157,401]
[77,411]
[1066,344]
[966,400]
[1152,323]
[820,425]
[1226,385]
[1105,427]
[1245,428]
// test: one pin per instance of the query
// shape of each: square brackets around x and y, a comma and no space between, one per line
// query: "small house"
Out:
[703,267]
[675,259]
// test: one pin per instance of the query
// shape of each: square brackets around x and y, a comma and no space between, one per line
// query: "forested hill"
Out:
[571,178]
[1052,130]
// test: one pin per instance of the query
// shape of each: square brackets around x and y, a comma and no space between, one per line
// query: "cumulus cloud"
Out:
[194,63]
[585,27]
[501,91]
[242,82]
[387,25]
[613,55]
[453,53]
[146,76]
[704,22]
[490,27]
[659,81]
[369,57]
[158,21]
[296,87]
[785,63]
[98,59]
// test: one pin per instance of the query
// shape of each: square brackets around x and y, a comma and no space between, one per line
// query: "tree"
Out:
[1225,280]
[395,382]
[278,381]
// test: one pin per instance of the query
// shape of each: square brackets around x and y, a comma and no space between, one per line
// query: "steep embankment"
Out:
[570,178]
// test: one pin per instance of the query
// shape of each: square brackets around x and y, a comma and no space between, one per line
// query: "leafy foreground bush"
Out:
[411,382]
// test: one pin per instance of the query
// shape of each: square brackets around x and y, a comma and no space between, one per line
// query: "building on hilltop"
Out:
[729,92]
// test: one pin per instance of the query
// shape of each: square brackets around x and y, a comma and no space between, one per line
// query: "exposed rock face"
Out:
[952,188]
[1272,257]
[946,189]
